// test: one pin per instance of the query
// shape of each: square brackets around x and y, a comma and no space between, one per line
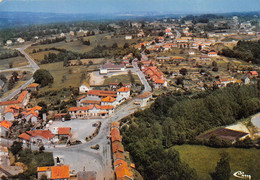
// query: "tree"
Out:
[16,147]
[114,45]
[15,75]
[222,171]
[41,149]
[183,71]
[43,77]
[126,45]
[43,177]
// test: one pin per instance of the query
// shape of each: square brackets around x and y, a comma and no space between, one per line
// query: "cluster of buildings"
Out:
[122,167]
[98,103]
[156,76]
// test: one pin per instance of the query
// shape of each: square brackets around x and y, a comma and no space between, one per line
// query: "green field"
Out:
[58,71]
[78,46]
[121,78]
[16,61]
[40,55]
[204,159]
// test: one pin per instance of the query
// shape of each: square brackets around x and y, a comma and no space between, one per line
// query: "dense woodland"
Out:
[245,50]
[176,119]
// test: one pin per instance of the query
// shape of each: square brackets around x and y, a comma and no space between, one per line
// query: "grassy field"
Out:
[204,159]
[58,71]
[77,46]
[121,78]
[40,55]
[16,61]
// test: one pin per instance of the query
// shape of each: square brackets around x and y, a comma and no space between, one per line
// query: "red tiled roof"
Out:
[64,130]
[60,172]
[117,146]
[144,95]
[25,136]
[34,85]
[90,102]
[6,124]
[123,89]
[115,124]
[123,171]
[115,135]
[22,96]
[108,99]
[46,134]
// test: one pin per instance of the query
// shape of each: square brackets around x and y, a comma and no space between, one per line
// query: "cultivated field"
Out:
[16,61]
[204,159]
[125,78]
[40,55]
[72,75]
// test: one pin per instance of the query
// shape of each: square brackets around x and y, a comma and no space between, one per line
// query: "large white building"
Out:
[109,67]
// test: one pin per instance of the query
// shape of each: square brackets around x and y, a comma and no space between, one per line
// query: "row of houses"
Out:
[13,112]
[45,136]
[122,168]
[21,101]
[156,76]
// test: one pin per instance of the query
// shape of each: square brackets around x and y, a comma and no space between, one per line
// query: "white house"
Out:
[84,87]
[142,99]
[212,54]
[122,94]
[108,101]
[20,40]
[9,42]
[128,37]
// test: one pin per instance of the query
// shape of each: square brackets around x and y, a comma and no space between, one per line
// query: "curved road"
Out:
[32,64]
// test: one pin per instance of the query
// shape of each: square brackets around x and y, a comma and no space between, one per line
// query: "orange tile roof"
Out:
[39,169]
[12,102]
[32,113]
[90,102]
[120,162]
[25,136]
[100,92]
[115,124]
[115,135]
[46,134]
[118,155]
[6,124]
[22,96]
[34,85]
[60,172]
[123,89]
[144,95]
[108,99]
[85,108]
[212,53]
[159,81]
[86,84]
[117,146]
[64,130]
[123,171]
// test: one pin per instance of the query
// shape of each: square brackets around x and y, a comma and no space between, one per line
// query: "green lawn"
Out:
[16,61]
[58,71]
[204,159]
[121,78]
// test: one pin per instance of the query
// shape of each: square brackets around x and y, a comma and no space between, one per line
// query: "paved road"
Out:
[95,160]
[141,76]
[178,34]
[32,64]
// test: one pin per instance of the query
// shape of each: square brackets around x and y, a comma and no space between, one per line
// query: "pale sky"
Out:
[130,6]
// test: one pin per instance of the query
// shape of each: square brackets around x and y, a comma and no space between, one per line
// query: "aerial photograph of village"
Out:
[129,89]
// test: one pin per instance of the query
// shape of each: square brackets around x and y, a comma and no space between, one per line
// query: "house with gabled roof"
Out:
[37,136]
[5,127]
[108,101]
[60,172]
[122,94]
[84,87]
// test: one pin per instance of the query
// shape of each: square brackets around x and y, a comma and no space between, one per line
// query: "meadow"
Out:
[204,159]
